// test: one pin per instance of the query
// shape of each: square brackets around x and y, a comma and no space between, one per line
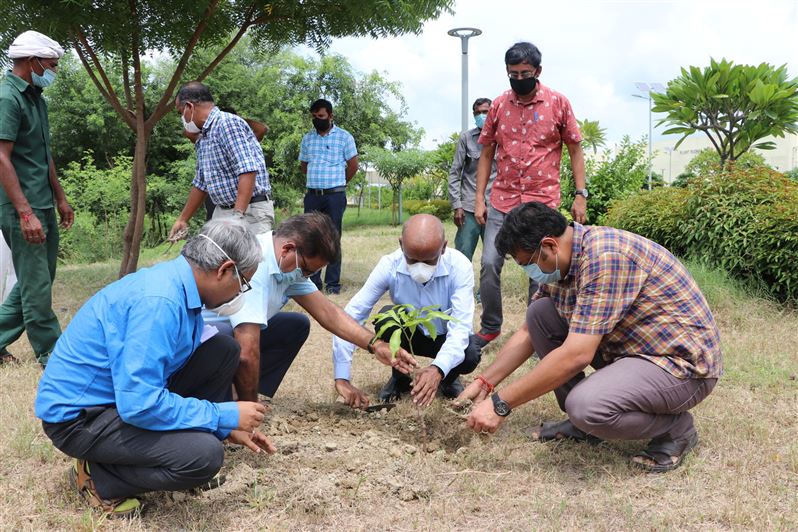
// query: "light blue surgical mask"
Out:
[479,120]
[45,80]
[539,276]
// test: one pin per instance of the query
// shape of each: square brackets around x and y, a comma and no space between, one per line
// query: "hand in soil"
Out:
[483,418]
[256,441]
[425,385]
[474,392]
[351,395]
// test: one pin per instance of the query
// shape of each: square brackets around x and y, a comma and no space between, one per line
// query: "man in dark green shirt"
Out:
[29,192]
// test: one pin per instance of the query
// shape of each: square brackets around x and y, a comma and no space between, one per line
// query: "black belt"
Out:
[255,199]
[324,191]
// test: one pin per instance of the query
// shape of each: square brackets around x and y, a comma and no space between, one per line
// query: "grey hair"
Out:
[237,241]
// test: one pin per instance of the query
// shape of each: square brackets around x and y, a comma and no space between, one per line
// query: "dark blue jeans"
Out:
[280,342]
[333,205]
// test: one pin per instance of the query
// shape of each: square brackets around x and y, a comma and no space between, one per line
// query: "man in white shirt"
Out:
[270,339]
[422,272]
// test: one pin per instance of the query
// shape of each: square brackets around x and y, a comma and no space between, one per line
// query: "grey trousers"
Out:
[490,274]
[125,460]
[628,399]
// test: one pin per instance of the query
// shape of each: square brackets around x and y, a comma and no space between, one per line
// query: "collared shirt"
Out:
[23,121]
[451,289]
[641,298]
[327,156]
[227,148]
[529,137]
[271,289]
[122,347]
[463,174]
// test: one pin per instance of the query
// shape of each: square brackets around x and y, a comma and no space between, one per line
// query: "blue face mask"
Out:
[45,80]
[539,276]
[479,120]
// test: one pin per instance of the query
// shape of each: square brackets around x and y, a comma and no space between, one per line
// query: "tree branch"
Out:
[126,115]
[162,106]
[109,93]
[126,81]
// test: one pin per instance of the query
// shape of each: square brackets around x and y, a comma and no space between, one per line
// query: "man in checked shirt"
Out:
[622,304]
[230,165]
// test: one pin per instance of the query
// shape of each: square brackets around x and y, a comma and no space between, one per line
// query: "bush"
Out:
[659,215]
[440,208]
[744,221]
[92,240]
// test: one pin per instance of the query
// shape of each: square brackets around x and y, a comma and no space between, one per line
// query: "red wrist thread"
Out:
[26,216]
[485,385]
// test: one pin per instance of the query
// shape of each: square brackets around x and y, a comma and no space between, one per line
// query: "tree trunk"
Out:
[138,195]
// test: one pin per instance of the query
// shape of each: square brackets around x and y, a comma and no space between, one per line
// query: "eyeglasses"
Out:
[243,284]
[306,273]
[526,74]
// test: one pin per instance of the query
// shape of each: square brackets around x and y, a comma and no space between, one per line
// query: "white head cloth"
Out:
[34,44]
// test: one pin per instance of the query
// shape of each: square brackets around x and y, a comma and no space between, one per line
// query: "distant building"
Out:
[670,163]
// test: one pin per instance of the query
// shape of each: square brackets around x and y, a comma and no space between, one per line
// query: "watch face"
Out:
[500,407]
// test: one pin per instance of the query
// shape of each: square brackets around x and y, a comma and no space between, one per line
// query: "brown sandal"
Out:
[80,479]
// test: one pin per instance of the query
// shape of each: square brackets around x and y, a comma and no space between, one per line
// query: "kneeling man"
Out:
[132,393]
[622,304]
[423,272]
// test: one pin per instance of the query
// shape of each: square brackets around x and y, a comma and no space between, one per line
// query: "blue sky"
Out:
[593,52]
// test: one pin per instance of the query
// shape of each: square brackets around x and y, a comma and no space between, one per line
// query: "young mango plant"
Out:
[406,319]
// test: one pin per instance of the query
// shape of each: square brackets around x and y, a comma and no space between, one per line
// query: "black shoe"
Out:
[394,389]
[333,290]
[452,389]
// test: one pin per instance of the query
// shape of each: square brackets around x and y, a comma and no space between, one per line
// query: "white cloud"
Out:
[593,51]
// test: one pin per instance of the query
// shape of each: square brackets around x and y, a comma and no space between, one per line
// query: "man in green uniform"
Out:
[29,194]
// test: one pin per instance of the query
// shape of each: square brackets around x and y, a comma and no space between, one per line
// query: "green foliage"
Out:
[105,193]
[744,221]
[792,174]
[437,207]
[397,167]
[734,105]
[617,175]
[593,135]
[406,319]
[91,239]
[659,215]
[707,162]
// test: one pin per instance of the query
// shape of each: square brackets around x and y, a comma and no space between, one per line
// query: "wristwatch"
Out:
[500,407]
[581,192]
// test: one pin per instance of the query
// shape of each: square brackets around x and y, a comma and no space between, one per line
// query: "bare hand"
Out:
[425,385]
[474,392]
[179,231]
[250,415]
[66,213]
[256,441]
[579,209]
[32,229]
[403,361]
[459,217]
[351,395]
[483,419]
[480,211]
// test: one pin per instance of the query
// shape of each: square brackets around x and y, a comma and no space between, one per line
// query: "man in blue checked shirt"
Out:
[328,156]
[132,393]
[230,165]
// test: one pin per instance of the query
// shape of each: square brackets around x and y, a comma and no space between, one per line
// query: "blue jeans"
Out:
[333,205]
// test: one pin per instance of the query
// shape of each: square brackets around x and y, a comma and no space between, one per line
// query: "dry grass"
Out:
[408,470]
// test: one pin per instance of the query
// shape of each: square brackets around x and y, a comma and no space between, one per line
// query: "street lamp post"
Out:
[464,34]
[648,89]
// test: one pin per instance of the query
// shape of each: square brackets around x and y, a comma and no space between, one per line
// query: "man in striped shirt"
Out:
[328,157]
[621,304]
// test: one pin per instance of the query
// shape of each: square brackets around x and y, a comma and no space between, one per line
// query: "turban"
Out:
[35,44]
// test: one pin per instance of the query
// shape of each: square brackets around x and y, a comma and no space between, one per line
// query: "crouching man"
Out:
[423,272]
[130,391]
[622,304]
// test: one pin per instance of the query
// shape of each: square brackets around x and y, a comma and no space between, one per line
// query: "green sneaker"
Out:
[80,480]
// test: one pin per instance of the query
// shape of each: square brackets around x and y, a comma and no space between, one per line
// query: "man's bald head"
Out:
[423,239]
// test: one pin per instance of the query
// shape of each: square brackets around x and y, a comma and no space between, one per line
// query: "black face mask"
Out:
[522,87]
[321,124]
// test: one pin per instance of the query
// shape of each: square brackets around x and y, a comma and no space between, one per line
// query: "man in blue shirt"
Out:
[328,156]
[270,339]
[131,392]
[422,272]
[231,169]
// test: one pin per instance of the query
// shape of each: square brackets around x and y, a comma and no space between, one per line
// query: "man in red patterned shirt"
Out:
[528,125]
[625,306]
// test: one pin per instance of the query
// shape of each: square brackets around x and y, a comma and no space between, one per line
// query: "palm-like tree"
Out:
[593,135]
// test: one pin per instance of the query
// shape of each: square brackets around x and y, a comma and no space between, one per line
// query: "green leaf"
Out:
[396,341]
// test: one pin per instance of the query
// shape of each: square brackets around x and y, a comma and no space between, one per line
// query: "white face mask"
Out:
[189,125]
[421,272]
[231,307]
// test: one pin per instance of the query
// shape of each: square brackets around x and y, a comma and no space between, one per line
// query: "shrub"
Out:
[92,240]
[659,215]
[440,208]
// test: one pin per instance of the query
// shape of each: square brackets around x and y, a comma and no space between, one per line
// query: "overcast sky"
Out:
[593,52]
